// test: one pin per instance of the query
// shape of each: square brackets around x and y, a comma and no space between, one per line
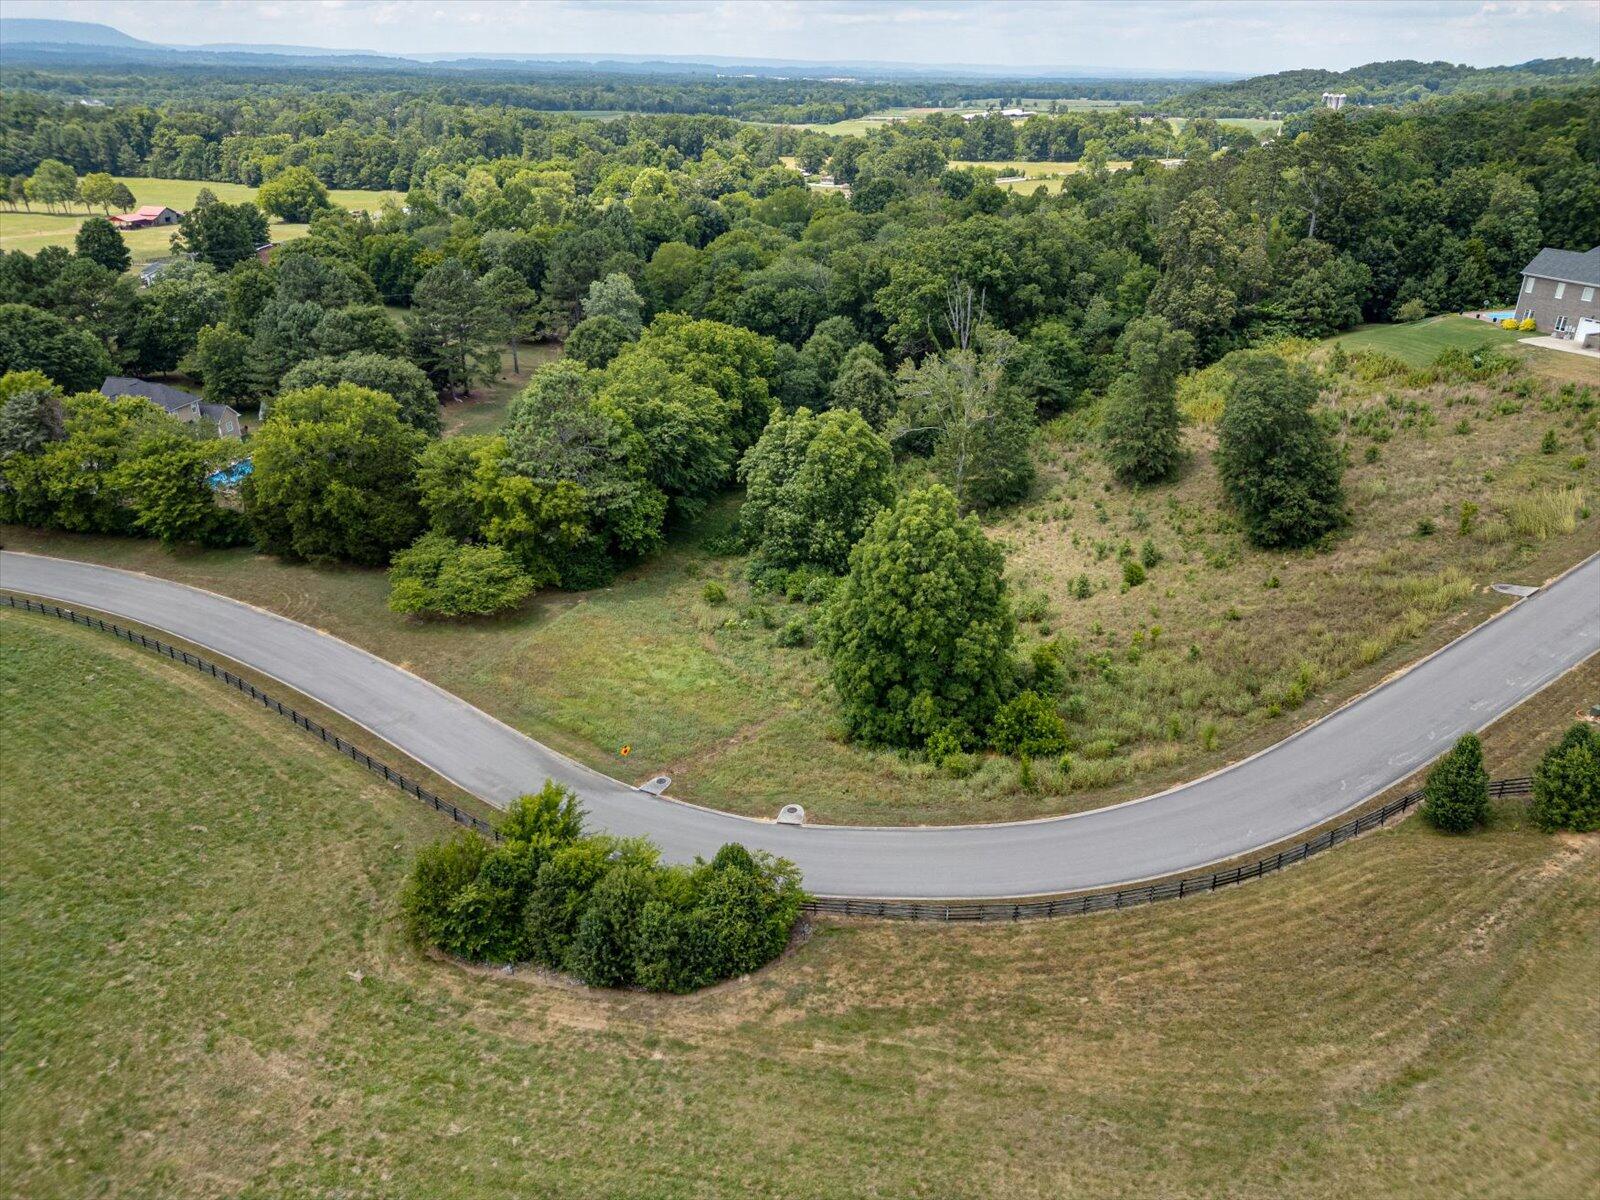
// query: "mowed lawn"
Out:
[32,231]
[1417,344]
[203,992]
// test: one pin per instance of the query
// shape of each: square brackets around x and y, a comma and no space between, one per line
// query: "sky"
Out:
[1248,37]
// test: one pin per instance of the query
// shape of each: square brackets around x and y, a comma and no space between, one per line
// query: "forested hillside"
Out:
[1385,83]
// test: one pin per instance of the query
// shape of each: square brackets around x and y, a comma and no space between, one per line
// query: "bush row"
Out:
[1566,785]
[605,909]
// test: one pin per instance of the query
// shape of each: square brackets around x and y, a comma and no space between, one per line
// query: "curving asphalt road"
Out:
[1325,769]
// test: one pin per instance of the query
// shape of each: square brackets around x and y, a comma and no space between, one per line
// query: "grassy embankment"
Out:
[203,992]
[32,231]
[1223,650]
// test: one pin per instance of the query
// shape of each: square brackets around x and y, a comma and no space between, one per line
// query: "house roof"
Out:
[169,398]
[145,212]
[1573,266]
[216,412]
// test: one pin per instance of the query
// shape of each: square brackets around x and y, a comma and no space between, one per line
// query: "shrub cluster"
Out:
[603,908]
[1566,783]
[440,577]
[1457,789]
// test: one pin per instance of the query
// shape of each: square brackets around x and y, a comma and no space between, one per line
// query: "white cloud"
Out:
[1158,35]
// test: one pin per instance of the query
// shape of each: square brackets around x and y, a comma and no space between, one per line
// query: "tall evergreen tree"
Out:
[1140,422]
[454,331]
[1458,788]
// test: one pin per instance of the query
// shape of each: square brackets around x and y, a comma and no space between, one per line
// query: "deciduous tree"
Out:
[97,240]
[919,634]
[293,194]
[813,485]
[334,476]
[1278,464]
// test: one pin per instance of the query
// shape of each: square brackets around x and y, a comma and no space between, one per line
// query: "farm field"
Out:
[33,231]
[860,126]
[1256,125]
[1223,650]
[226,1005]
[1036,174]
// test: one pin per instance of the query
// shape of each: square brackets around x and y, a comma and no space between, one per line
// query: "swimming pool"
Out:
[230,475]
[1504,314]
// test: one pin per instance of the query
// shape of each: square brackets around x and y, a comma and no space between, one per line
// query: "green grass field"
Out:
[1255,125]
[203,992]
[33,231]
[485,411]
[1420,342]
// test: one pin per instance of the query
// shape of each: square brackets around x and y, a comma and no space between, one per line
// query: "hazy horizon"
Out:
[1145,35]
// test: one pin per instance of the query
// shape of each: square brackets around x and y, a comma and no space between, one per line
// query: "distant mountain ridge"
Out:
[63,33]
[1395,82]
[55,40]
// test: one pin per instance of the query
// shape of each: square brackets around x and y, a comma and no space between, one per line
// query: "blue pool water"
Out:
[1502,315]
[230,476]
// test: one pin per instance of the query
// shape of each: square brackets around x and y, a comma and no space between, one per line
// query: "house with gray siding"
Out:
[177,403]
[1561,293]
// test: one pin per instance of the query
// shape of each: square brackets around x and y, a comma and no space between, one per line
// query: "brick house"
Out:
[1561,292]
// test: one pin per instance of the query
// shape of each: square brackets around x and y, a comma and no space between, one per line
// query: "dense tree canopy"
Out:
[335,476]
[31,340]
[394,377]
[294,194]
[919,635]
[813,485]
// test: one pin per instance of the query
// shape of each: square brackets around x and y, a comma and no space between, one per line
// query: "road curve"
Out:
[1323,770]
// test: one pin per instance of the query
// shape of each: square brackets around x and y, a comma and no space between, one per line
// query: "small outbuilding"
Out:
[146,217]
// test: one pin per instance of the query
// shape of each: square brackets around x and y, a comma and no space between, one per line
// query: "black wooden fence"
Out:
[976,910]
[409,786]
[1129,897]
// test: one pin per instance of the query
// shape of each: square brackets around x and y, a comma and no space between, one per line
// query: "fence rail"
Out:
[909,910]
[1193,885]
[409,786]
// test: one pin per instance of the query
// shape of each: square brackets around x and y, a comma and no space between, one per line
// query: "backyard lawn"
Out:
[204,992]
[1420,342]
[1417,344]
[32,231]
